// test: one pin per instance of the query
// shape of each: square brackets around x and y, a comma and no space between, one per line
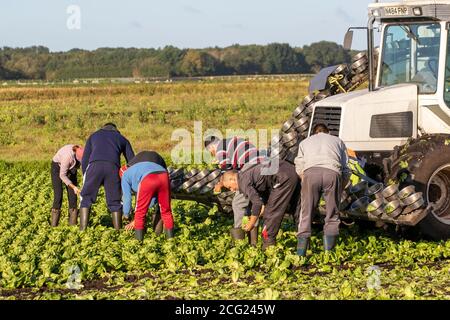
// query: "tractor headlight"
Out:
[417,11]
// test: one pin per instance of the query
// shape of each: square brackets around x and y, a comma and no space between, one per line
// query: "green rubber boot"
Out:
[302,246]
[117,220]
[169,233]
[329,242]
[73,216]
[56,213]
[139,234]
[237,234]
[84,218]
[253,236]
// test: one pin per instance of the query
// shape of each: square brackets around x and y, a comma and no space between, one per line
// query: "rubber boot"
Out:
[329,242]
[117,220]
[267,243]
[157,222]
[237,234]
[84,218]
[253,237]
[56,213]
[302,246]
[73,216]
[169,233]
[139,234]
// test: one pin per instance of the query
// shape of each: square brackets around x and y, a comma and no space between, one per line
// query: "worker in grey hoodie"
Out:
[321,164]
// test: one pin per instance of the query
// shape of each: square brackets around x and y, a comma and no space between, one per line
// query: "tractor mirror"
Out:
[348,40]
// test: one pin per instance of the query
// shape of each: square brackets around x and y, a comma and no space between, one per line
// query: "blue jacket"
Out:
[106,144]
[131,180]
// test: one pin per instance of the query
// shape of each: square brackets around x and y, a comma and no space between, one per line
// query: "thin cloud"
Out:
[136,24]
[345,16]
[192,10]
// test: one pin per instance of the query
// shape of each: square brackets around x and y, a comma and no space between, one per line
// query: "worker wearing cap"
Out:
[233,154]
[321,164]
[65,164]
[148,180]
[100,166]
[276,191]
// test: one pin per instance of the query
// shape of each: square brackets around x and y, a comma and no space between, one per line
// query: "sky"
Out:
[89,24]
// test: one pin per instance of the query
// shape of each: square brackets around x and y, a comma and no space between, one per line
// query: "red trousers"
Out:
[154,184]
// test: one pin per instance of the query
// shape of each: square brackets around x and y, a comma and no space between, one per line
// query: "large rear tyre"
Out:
[425,163]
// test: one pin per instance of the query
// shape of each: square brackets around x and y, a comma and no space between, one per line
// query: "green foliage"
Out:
[200,262]
[276,58]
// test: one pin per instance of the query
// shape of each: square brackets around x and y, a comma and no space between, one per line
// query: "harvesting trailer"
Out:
[400,124]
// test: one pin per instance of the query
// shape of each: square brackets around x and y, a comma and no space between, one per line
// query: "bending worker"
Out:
[64,169]
[277,191]
[155,157]
[100,165]
[321,163]
[148,180]
[233,154]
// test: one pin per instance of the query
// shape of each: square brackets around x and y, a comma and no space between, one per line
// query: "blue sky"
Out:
[182,23]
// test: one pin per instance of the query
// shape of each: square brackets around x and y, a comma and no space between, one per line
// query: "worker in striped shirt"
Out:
[233,154]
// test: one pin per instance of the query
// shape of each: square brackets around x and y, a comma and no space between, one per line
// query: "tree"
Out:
[198,63]
[322,54]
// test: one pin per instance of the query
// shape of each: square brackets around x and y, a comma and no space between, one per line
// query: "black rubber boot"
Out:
[139,234]
[117,220]
[169,233]
[253,237]
[84,218]
[73,216]
[329,242]
[56,213]
[157,223]
[302,246]
[237,234]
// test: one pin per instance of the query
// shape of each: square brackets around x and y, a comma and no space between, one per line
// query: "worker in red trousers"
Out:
[150,182]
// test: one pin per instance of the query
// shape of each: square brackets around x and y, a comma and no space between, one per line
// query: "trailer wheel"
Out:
[425,163]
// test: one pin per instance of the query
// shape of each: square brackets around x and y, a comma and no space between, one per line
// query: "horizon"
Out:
[81,24]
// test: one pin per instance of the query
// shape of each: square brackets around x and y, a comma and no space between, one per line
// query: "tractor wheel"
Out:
[425,163]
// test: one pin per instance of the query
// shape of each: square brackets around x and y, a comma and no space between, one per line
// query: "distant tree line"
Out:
[38,62]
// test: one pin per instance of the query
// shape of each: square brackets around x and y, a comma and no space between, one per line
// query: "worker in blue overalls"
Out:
[100,166]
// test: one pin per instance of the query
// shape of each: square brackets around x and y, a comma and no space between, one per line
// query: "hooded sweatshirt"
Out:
[106,144]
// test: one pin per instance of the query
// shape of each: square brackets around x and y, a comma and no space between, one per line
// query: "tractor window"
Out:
[411,55]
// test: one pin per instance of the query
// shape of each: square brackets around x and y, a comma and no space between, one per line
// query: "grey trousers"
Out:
[315,181]
[240,206]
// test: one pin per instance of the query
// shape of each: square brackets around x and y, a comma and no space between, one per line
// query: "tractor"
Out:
[397,122]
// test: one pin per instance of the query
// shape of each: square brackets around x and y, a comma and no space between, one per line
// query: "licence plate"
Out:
[396,11]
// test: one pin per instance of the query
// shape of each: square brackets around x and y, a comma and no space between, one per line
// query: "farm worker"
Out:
[155,157]
[100,166]
[64,168]
[233,154]
[148,180]
[277,192]
[148,156]
[321,164]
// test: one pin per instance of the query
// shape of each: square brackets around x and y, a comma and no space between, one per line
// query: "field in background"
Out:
[40,262]
[35,121]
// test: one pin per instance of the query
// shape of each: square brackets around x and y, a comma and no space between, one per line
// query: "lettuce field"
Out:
[201,262]
[40,262]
